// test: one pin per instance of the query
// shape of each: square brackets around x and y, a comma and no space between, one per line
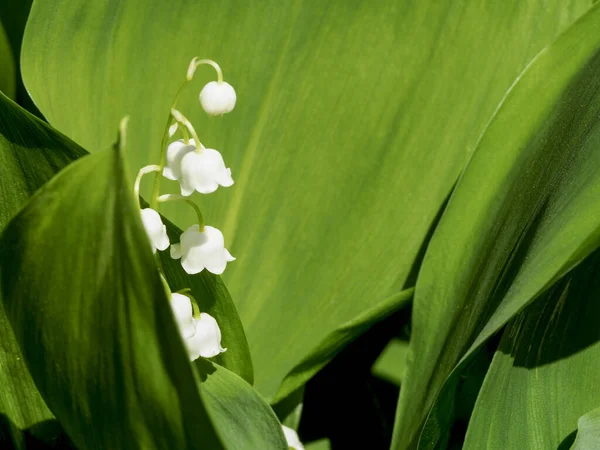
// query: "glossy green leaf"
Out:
[83,296]
[337,340]
[7,66]
[352,123]
[544,375]
[30,153]
[588,431]
[522,215]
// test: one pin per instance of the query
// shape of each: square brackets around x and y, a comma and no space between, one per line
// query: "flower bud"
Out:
[217,98]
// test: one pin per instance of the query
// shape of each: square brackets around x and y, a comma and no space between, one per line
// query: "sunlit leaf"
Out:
[588,433]
[352,123]
[544,375]
[523,214]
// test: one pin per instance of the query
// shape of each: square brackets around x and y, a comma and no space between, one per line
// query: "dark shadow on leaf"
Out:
[205,368]
[562,322]
[46,435]
[567,442]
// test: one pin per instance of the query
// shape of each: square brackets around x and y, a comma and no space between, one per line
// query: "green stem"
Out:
[187,124]
[181,198]
[163,152]
[143,171]
[194,64]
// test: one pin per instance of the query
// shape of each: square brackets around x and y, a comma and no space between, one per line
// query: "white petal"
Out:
[228,256]
[217,98]
[216,263]
[175,153]
[173,129]
[224,178]
[176,251]
[207,340]
[156,231]
[192,265]
[182,309]
[292,438]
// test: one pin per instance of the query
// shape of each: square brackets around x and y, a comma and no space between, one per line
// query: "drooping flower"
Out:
[203,171]
[293,441]
[201,250]
[217,98]
[206,341]
[182,309]
[156,231]
[202,336]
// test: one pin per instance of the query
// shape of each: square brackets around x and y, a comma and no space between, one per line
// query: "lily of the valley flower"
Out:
[206,341]
[203,171]
[293,441]
[201,250]
[202,336]
[156,231]
[217,97]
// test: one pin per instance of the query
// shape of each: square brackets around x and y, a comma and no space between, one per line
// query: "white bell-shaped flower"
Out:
[293,441]
[182,309]
[175,153]
[203,171]
[202,250]
[206,342]
[217,98]
[156,231]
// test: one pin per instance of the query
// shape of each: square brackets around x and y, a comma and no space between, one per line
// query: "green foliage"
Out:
[446,151]
[522,215]
[346,139]
[30,154]
[90,313]
[588,434]
[545,373]
[7,66]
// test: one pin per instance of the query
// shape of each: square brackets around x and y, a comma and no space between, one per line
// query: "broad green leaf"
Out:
[30,153]
[544,375]
[337,340]
[588,431]
[522,215]
[83,296]
[7,66]
[352,123]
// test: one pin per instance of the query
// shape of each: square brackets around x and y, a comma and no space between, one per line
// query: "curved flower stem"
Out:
[185,122]
[143,171]
[181,198]
[195,63]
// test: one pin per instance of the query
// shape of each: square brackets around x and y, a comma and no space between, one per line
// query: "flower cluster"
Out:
[200,169]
